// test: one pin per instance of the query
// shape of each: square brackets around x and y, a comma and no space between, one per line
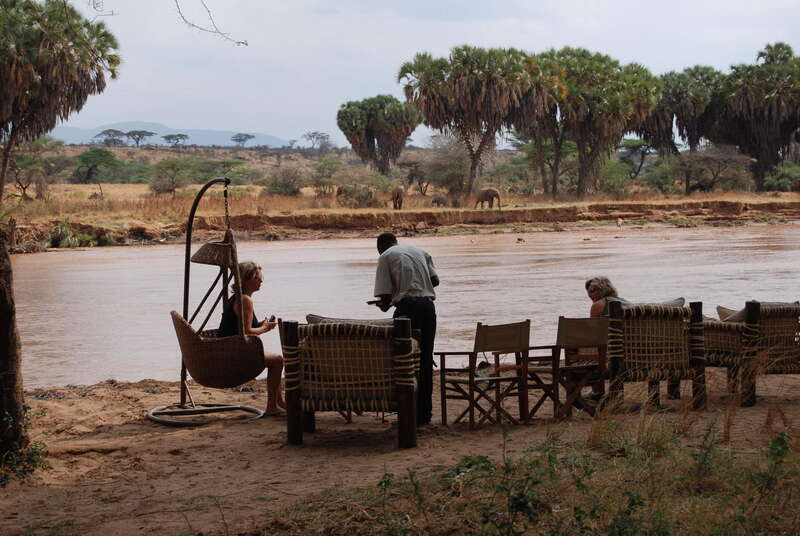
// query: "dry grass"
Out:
[123,203]
[639,481]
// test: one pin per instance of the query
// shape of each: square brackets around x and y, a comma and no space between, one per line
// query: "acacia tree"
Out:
[602,101]
[377,128]
[51,61]
[137,136]
[470,95]
[175,140]
[317,139]
[758,108]
[111,137]
[633,152]
[170,174]
[241,138]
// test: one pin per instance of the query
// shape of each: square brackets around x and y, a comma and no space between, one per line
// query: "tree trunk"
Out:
[382,163]
[12,431]
[6,160]
[474,162]
[759,174]
[583,171]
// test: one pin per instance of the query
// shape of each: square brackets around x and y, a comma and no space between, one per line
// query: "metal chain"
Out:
[227,213]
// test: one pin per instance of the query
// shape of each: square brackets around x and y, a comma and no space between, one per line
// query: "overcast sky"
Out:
[306,57]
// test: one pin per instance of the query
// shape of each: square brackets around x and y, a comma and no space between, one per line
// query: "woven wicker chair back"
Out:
[655,342]
[318,319]
[582,332]
[779,338]
[218,362]
[502,337]
[349,367]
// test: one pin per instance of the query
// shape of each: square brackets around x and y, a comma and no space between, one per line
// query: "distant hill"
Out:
[75,135]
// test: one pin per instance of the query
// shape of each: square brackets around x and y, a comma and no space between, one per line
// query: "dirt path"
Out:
[115,472]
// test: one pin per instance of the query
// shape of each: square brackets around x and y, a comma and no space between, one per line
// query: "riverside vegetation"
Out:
[146,192]
[642,478]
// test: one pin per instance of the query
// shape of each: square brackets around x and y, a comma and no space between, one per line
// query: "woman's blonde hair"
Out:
[603,284]
[247,271]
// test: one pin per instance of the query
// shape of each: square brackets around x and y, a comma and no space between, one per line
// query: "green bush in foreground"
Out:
[22,463]
[644,481]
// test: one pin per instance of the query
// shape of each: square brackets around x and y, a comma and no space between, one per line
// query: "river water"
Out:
[89,315]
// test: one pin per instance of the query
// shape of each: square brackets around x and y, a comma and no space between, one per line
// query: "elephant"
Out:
[488,195]
[439,201]
[397,197]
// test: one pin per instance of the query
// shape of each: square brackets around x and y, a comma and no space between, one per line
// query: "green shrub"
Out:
[22,463]
[614,178]
[285,181]
[785,178]
[357,196]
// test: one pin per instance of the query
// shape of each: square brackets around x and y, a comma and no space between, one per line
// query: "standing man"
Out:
[405,278]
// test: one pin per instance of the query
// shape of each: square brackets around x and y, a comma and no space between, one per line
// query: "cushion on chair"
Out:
[677,302]
[319,319]
[732,315]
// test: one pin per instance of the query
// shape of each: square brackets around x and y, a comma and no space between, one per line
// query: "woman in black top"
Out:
[235,309]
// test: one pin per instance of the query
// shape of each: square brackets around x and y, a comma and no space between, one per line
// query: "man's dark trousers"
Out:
[422,313]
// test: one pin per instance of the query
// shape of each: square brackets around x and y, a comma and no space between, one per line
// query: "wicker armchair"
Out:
[349,367]
[652,343]
[767,342]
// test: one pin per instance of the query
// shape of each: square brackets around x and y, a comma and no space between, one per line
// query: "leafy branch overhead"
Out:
[378,128]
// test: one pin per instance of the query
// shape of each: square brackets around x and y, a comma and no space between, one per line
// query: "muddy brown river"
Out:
[93,314]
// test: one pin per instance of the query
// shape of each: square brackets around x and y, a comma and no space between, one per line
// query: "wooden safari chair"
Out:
[650,343]
[485,388]
[582,342]
[350,367]
[766,342]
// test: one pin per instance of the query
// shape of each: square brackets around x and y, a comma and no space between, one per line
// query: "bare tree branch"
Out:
[213,29]
[99,7]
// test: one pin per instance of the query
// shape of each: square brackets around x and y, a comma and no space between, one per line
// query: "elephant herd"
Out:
[485,195]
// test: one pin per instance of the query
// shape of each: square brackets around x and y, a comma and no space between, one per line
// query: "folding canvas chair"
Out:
[485,393]
[767,342]
[583,342]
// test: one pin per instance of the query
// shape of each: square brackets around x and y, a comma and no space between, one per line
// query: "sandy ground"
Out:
[115,472]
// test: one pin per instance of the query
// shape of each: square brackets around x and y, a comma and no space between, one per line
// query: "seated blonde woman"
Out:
[601,292]
[236,308]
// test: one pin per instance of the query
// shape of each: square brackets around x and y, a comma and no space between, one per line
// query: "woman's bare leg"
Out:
[274,365]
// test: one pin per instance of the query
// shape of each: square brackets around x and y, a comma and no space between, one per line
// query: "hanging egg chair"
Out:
[211,361]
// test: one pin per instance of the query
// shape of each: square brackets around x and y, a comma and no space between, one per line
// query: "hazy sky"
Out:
[306,57]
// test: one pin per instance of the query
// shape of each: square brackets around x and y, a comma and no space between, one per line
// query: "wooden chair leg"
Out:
[472,403]
[443,395]
[747,385]
[674,389]
[309,422]
[406,417]
[653,394]
[699,395]
[294,418]
[733,379]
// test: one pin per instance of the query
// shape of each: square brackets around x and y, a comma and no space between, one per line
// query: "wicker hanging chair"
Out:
[212,361]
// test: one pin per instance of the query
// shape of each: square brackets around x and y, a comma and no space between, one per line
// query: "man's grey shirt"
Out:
[405,272]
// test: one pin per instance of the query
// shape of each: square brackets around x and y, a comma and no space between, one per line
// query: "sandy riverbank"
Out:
[322,224]
[114,472]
